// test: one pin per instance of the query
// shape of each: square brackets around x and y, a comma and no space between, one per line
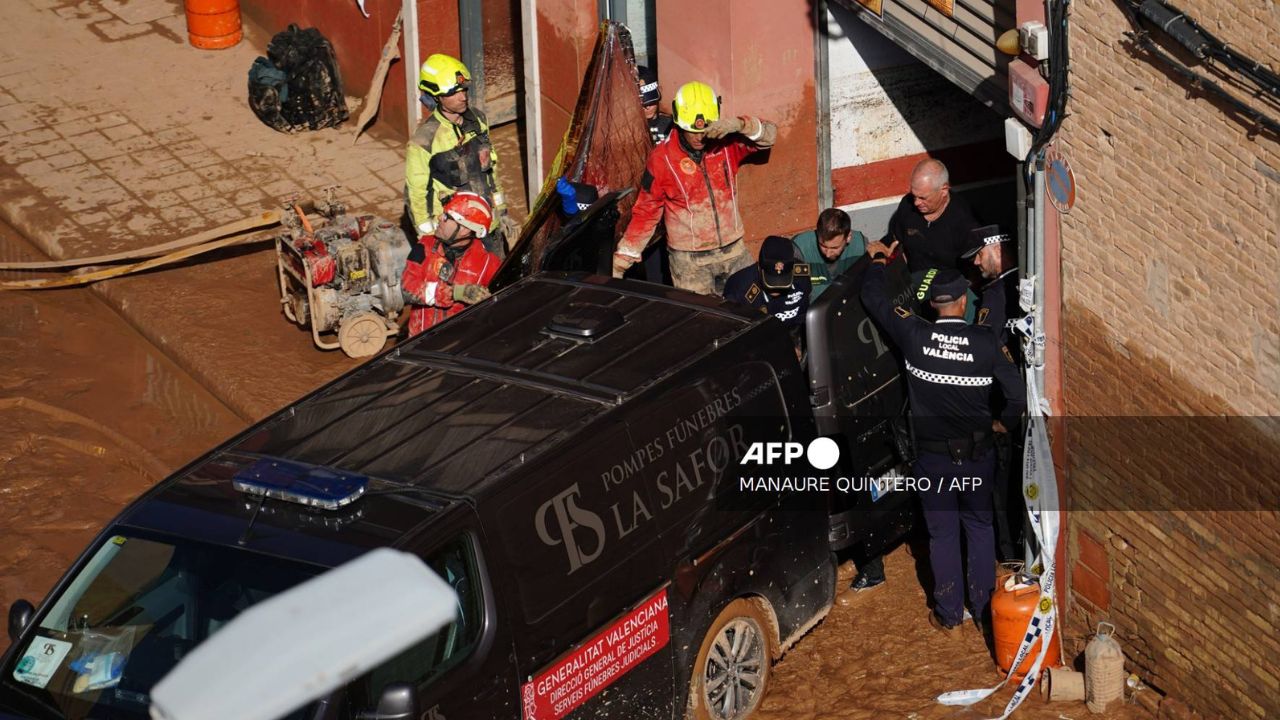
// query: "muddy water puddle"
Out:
[91,415]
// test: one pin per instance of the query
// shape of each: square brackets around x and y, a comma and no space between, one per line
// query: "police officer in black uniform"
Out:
[951,367]
[657,268]
[650,96]
[777,284]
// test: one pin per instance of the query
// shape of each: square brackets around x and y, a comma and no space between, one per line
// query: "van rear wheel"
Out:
[731,673]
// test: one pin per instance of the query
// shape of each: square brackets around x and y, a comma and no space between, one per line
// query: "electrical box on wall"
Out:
[1034,39]
[1017,138]
[1028,92]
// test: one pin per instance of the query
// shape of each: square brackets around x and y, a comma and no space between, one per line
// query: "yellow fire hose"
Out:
[182,249]
[270,217]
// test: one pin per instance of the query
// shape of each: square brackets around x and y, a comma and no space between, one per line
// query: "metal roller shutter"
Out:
[960,45]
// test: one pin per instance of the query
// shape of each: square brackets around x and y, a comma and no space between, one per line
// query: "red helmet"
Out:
[471,211]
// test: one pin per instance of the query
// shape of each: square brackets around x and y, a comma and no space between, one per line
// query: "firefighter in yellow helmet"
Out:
[451,152]
[690,184]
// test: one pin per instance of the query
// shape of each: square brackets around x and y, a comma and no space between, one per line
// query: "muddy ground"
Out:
[91,415]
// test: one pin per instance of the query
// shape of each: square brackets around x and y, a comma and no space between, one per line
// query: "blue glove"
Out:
[568,197]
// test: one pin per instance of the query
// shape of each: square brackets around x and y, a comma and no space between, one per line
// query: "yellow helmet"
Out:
[695,107]
[442,75]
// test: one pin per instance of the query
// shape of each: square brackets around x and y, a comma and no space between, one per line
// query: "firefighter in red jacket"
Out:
[447,271]
[689,182]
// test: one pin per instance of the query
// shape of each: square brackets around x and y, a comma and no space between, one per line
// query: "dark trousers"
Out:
[655,264]
[947,510]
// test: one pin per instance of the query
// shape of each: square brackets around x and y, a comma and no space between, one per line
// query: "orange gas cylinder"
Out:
[213,24]
[1012,606]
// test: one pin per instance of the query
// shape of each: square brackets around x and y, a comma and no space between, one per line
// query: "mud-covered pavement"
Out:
[91,415]
[876,656]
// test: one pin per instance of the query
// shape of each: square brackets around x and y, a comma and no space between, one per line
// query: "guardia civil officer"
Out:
[950,368]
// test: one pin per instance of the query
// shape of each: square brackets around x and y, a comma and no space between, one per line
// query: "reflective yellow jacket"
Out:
[443,158]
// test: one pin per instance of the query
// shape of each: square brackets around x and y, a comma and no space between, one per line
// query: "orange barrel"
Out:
[213,24]
[1012,606]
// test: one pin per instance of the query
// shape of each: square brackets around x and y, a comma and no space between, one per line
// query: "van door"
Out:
[729,532]
[859,396]
[464,670]
[590,601]
[584,244]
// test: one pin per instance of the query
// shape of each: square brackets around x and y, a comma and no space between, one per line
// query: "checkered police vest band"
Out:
[941,379]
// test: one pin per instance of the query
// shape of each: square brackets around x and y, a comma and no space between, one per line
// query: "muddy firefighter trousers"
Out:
[706,271]
[948,510]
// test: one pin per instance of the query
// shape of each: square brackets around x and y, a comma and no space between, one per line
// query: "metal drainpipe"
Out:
[1031,265]
[1023,213]
[1038,240]
[823,61]
[532,99]
[471,33]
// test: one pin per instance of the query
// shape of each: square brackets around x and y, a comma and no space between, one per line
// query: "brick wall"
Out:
[1170,273]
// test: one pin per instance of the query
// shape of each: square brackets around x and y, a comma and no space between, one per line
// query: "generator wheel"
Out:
[731,673]
[362,335]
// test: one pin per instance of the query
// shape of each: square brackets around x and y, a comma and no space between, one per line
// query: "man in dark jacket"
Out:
[932,226]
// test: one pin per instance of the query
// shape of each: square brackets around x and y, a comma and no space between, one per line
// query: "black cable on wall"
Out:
[1175,24]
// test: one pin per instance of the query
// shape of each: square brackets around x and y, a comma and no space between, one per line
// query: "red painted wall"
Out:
[979,161]
[567,32]
[358,41]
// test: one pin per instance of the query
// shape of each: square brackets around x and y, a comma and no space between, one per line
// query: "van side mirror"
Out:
[399,701]
[20,614]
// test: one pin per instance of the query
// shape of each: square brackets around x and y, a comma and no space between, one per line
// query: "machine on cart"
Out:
[342,278]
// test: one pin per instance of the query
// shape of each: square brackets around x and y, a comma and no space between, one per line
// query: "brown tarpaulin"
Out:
[606,146]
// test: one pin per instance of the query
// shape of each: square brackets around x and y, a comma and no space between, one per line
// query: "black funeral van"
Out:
[564,457]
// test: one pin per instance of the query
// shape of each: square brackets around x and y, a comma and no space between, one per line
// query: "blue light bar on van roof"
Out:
[300,483]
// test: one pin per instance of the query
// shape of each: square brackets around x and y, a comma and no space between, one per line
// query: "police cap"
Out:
[982,237]
[777,260]
[948,285]
[649,94]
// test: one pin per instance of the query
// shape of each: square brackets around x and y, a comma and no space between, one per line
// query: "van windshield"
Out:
[131,613]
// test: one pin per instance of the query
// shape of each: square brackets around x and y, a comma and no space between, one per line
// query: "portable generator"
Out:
[342,278]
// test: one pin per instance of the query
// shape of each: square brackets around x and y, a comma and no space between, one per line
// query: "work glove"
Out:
[509,228]
[723,127]
[621,263]
[470,294]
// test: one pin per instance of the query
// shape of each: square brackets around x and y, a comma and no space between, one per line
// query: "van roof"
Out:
[472,399]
